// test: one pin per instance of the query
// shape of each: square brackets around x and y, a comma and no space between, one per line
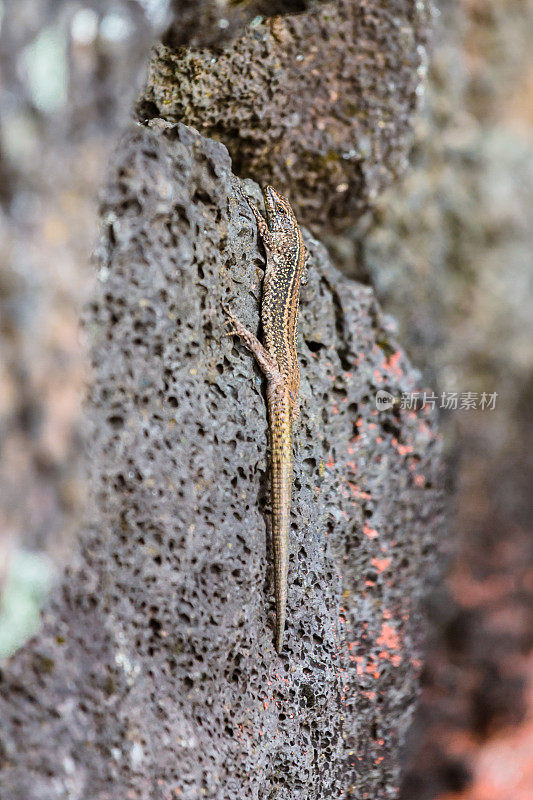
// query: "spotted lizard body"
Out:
[286,270]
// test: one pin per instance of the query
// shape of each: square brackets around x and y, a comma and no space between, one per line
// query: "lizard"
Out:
[285,271]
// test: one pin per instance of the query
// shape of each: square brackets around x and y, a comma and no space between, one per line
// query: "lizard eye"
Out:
[283,215]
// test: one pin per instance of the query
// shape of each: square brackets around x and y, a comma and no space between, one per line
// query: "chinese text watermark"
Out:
[449,401]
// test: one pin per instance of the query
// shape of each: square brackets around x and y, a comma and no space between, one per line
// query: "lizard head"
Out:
[280,216]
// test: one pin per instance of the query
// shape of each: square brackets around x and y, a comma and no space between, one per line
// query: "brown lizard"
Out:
[286,269]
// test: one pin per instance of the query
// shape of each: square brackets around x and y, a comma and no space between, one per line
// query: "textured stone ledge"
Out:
[320,104]
[154,675]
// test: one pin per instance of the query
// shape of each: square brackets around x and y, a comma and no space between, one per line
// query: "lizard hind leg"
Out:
[266,362]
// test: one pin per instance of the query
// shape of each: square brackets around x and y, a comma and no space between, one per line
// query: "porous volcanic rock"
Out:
[154,675]
[320,104]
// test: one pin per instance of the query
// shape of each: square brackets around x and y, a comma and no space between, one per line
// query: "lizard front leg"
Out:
[305,270]
[262,227]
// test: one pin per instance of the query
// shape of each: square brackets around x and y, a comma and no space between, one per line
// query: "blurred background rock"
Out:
[449,251]
[69,73]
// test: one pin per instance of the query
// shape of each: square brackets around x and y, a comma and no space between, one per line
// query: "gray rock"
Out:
[320,104]
[154,675]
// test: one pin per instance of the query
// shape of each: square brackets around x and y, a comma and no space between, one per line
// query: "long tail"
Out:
[281,482]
